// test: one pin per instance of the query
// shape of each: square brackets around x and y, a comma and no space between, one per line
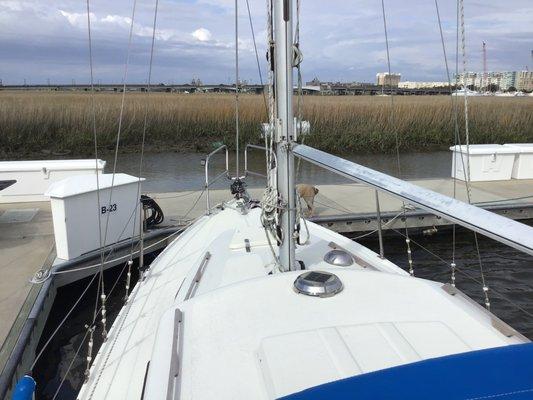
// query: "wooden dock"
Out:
[27,242]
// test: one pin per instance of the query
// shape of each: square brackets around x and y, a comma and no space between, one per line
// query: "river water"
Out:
[508,273]
[169,172]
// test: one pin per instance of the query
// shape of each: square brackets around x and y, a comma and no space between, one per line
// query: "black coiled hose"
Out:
[155,214]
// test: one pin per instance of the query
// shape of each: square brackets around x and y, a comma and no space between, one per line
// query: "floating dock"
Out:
[349,208]
[27,244]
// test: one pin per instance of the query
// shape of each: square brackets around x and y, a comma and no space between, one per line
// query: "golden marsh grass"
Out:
[32,123]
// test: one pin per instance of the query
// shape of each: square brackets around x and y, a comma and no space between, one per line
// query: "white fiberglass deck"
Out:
[244,332]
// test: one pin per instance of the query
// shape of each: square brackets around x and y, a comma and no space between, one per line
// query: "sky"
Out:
[47,40]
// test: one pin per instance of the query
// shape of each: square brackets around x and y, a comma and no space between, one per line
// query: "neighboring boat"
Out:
[254,302]
[466,92]
[29,180]
[504,94]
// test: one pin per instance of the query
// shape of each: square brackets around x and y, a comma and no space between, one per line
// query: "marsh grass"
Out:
[37,123]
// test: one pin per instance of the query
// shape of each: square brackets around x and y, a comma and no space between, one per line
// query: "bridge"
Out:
[334,90]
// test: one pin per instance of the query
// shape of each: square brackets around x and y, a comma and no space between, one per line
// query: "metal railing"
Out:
[207,182]
[248,172]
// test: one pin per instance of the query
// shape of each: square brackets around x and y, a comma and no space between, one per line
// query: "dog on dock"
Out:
[307,193]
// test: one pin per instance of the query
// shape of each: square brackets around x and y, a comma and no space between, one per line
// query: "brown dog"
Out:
[308,193]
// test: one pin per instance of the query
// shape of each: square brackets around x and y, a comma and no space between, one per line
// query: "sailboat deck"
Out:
[343,208]
[213,289]
[262,338]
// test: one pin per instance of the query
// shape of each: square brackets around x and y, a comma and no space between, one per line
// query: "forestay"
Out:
[504,230]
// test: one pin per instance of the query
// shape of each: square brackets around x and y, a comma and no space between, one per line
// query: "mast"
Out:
[284,130]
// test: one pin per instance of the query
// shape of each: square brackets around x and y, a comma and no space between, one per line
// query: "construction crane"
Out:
[484,79]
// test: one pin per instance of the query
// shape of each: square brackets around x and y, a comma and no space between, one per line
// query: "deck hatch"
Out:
[339,258]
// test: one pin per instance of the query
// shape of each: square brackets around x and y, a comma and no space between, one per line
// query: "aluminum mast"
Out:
[284,129]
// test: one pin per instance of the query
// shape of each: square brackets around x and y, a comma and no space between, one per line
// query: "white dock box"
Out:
[26,181]
[523,162]
[75,212]
[488,162]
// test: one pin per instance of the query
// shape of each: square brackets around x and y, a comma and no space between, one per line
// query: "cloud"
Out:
[76,19]
[117,20]
[202,34]
[340,40]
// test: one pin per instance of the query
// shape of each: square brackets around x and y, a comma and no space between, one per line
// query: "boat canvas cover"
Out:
[503,372]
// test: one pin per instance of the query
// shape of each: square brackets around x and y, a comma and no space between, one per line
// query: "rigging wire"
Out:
[87,331]
[467,138]
[70,364]
[257,56]
[391,124]
[95,138]
[453,264]
[121,114]
[464,273]
[236,89]
[97,274]
[269,201]
[62,322]
[457,136]
[139,205]
[111,251]
[298,62]
[49,340]
[460,271]
[104,260]
[503,200]
[117,145]
[93,122]
[119,325]
[389,222]
[269,134]
[298,58]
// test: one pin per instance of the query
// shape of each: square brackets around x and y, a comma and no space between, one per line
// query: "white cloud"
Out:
[117,20]
[202,34]
[76,19]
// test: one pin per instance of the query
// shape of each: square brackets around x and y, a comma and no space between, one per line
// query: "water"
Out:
[169,172]
[508,273]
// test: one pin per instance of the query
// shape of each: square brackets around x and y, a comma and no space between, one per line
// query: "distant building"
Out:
[493,81]
[508,80]
[524,81]
[422,85]
[328,85]
[389,80]
[314,82]
[467,79]
[520,80]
